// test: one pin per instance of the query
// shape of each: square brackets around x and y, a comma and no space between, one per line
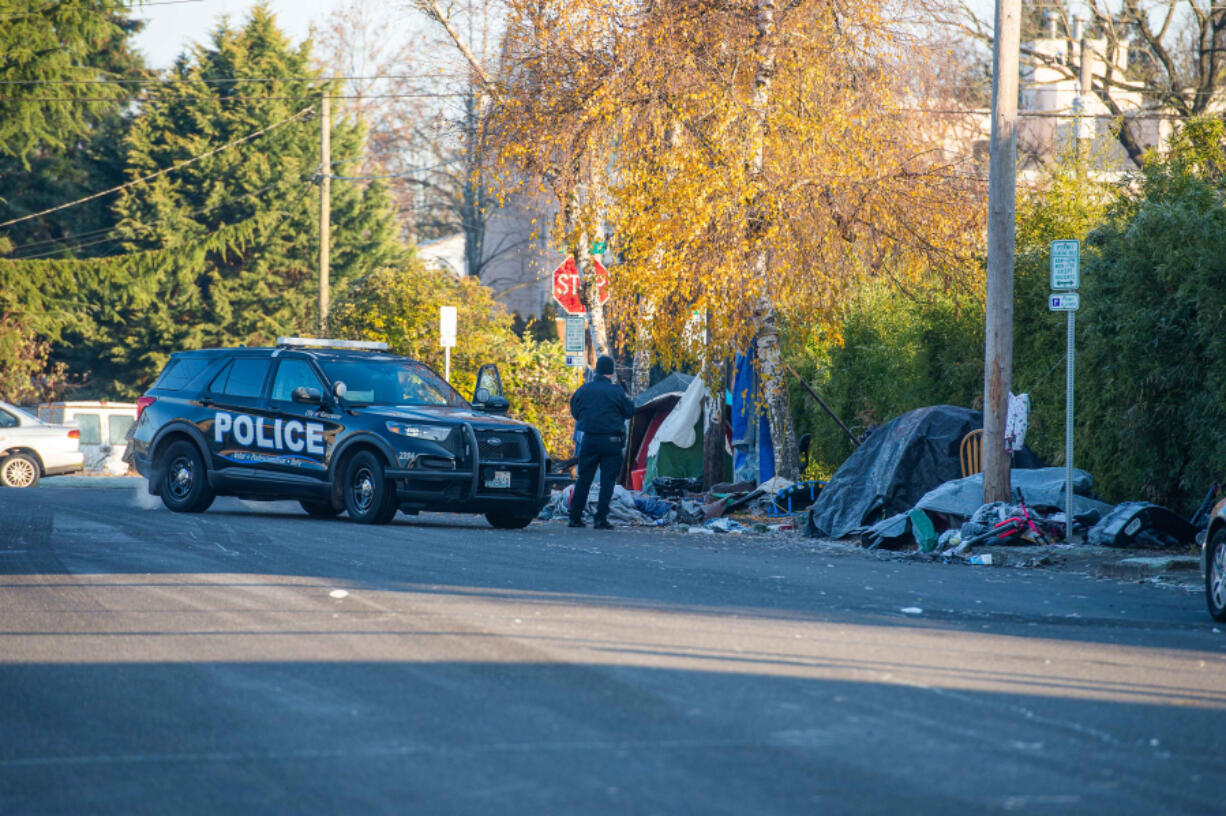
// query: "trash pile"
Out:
[670,501]
[661,483]
[904,487]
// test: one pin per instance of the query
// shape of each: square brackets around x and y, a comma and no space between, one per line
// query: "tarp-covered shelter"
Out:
[666,431]
[893,469]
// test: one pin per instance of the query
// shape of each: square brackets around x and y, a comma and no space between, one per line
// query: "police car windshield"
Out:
[391,382]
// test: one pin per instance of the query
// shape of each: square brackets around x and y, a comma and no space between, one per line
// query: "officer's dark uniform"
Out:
[600,409]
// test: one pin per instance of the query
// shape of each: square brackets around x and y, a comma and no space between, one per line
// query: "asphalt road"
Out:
[255,660]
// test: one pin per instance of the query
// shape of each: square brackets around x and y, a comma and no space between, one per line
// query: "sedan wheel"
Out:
[1215,577]
[19,470]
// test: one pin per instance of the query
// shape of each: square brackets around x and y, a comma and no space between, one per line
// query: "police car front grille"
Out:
[503,446]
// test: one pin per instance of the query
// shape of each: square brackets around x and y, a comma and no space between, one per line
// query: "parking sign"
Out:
[1065,264]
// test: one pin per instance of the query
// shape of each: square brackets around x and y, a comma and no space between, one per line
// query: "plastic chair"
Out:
[969,453]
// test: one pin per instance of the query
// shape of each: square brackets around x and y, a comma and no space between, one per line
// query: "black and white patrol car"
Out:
[341,426]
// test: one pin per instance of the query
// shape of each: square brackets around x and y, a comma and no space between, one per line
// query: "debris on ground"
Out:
[1141,524]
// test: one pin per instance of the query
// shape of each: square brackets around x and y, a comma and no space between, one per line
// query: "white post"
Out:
[447,336]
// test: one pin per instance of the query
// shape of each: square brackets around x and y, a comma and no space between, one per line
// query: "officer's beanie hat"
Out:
[604,364]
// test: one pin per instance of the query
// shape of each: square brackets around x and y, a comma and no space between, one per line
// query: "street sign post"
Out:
[575,341]
[1066,275]
[566,286]
[447,336]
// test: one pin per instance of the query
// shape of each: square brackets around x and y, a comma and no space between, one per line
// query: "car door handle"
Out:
[205,403]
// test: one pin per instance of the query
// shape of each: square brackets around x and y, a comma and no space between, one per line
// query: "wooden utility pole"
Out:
[325,206]
[1002,186]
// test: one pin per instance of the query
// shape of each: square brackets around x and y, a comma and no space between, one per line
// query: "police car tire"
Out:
[507,521]
[375,502]
[185,483]
[319,509]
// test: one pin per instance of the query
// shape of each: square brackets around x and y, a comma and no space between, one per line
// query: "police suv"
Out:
[341,426]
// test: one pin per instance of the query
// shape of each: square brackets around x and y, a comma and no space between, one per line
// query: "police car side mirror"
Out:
[309,396]
[483,400]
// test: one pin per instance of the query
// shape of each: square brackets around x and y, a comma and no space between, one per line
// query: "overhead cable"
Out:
[138,6]
[163,171]
[198,98]
[215,80]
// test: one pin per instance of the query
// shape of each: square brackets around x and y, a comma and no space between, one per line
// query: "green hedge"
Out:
[1151,335]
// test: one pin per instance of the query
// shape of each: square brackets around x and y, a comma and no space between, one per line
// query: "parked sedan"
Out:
[31,448]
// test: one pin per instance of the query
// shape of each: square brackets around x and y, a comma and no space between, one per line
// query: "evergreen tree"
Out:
[52,54]
[70,73]
[247,80]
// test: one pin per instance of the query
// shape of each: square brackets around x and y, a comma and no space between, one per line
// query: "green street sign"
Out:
[598,248]
[1065,264]
[576,334]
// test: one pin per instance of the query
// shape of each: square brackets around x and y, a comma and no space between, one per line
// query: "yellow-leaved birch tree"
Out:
[802,169]
[762,159]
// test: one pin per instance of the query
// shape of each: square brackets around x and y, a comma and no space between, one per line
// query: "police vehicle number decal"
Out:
[278,435]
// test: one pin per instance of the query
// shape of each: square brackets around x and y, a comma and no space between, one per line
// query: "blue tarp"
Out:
[753,455]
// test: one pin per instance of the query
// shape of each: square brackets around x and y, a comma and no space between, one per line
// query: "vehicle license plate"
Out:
[501,478]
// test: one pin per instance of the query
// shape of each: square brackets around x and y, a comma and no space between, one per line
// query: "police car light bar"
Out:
[320,342]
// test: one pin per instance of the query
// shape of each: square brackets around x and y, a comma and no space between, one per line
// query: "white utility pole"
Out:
[1085,125]
[1002,185]
[325,206]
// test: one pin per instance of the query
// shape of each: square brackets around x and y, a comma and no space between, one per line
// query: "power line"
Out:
[1047,114]
[80,240]
[422,95]
[215,80]
[42,12]
[148,225]
[161,172]
[306,186]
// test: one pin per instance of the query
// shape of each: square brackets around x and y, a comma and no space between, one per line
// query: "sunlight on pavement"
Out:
[253,618]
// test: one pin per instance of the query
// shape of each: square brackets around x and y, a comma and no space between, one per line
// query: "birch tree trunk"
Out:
[640,378]
[787,463]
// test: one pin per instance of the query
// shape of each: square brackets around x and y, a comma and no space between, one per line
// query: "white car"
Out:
[31,448]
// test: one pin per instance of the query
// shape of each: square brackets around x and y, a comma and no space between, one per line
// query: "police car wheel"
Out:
[320,509]
[507,521]
[185,485]
[369,497]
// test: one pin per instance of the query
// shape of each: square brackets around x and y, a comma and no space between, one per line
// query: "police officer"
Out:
[600,409]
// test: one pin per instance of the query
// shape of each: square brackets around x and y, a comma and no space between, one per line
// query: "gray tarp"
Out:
[673,385]
[898,463]
[1042,488]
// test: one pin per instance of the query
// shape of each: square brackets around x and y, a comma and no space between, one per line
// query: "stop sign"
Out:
[566,286]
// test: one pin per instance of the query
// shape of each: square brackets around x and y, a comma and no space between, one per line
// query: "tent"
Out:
[666,431]
[893,469]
